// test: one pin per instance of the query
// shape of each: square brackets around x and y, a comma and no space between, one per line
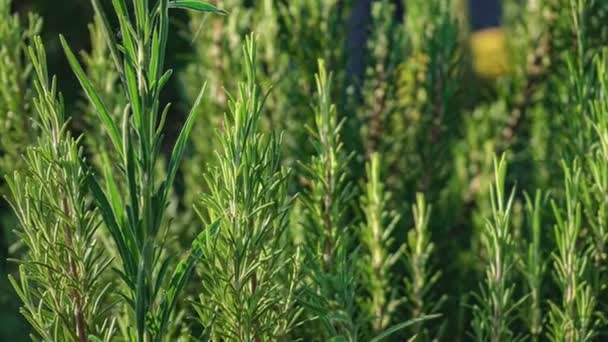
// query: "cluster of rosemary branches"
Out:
[319,188]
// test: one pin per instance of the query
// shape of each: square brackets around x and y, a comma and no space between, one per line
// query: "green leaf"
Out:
[133,92]
[176,284]
[114,195]
[180,144]
[109,218]
[388,332]
[93,96]
[198,245]
[154,60]
[128,32]
[199,6]
[160,278]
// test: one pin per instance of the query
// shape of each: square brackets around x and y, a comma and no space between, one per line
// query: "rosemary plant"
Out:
[134,214]
[574,317]
[534,268]
[377,261]
[595,179]
[494,310]
[61,279]
[249,277]
[328,243]
[108,242]
[422,278]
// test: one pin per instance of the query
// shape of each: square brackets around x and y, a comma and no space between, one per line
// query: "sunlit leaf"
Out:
[199,6]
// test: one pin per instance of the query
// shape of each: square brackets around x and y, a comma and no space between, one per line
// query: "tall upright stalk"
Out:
[377,260]
[534,267]
[494,310]
[573,318]
[422,277]
[326,224]
[595,178]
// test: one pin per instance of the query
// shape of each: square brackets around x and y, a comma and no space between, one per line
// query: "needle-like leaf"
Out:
[195,5]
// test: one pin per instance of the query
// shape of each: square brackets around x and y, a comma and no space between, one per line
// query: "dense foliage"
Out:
[350,171]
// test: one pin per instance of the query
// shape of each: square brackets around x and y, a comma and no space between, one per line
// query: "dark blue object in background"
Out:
[484,13]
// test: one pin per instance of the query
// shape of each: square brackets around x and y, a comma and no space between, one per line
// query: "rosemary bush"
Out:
[326,223]
[376,236]
[249,274]
[60,279]
[421,279]
[344,178]
[493,315]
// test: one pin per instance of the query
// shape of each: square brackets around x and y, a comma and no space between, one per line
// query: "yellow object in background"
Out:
[490,56]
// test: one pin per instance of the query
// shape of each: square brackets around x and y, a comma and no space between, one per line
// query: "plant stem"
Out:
[81,331]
